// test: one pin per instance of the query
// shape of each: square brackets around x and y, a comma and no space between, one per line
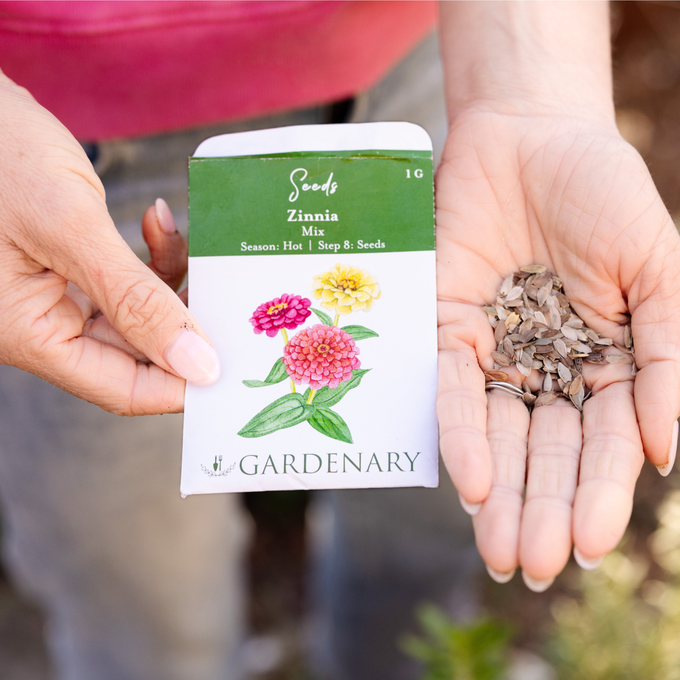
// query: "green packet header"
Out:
[299,203]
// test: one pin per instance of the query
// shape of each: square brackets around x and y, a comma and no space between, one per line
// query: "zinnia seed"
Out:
[615,358]
[535,328]
[545,399]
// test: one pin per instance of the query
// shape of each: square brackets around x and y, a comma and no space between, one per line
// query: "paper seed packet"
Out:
[312,269]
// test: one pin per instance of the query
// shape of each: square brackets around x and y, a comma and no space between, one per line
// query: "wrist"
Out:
[528,59]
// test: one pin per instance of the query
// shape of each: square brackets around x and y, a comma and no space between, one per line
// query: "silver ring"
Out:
[506,387]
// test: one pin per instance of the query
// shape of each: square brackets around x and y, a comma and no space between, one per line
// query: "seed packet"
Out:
[312,270]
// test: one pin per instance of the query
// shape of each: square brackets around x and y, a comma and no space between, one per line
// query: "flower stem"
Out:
[285,342]
[337,318]
[311,396]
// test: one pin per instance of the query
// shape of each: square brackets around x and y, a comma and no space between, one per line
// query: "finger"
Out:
[461,410]
[100,329]
[87,308]
[497,524]
[135,301]
[464,335]
[545,535]
[97,326]
[92,370]
[111,378]
[610,465]
[657,388]
[169,252]
[654,299]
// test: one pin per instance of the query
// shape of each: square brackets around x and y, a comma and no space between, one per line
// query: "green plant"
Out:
[608,633]
[625,626]
[459,651]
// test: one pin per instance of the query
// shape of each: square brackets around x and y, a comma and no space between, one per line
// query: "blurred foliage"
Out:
[621,623]
[459,651]
[625,625]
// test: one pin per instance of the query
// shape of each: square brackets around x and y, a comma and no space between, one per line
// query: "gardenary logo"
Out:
[217,470]
[314,463]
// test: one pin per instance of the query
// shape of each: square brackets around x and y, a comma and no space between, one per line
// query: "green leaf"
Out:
[285,412]
[323,317]
[329,397]
[331,424]
[276,375]
[359,332]
[476,650]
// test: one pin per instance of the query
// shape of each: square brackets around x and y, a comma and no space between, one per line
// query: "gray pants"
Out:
[141,585]
[137,583]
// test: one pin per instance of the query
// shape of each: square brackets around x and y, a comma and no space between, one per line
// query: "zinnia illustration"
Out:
[345,289]
[287,311]
[321,355]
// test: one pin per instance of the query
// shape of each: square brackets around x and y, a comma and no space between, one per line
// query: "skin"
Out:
[56,233]
[536,172]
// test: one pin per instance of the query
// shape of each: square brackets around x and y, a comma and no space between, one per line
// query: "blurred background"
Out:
[620,622]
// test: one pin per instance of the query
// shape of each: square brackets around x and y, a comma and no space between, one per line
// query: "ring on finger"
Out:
[506,387]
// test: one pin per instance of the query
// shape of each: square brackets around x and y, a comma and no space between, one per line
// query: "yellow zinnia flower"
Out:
[345,289]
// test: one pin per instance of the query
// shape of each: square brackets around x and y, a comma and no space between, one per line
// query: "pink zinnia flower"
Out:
[287,311]
[321,355]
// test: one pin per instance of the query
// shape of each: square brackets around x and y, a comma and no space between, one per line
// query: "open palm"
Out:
[571,195]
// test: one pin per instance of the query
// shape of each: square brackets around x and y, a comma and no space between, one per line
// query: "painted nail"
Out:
[500,576]
[665,470]
[585,562]
[470,508]
[536,585]
[164,216]
[193,358]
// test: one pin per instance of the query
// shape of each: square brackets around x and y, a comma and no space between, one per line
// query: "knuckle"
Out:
[139,308]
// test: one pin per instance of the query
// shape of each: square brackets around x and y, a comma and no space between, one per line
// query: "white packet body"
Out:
[312,270]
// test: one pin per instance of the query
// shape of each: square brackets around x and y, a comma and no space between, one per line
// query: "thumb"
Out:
[150,316]
[141,307]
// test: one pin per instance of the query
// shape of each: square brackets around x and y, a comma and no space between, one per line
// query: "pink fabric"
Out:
[120,69]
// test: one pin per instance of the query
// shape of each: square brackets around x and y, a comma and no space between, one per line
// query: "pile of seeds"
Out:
[535,328]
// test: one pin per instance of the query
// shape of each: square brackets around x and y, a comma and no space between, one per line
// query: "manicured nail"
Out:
[164,216]
[535,585]
[587,563]
[499,576]
[665,470]
[193,358]
[470,508]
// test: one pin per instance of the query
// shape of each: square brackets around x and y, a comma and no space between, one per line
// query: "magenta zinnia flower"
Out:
[287,311]
[321,355]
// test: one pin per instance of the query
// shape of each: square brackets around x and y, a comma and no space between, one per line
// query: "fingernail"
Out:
[536,585]
[193,358]
[470,508]
[665,470]
[587,563]
[500,576]
[164,216]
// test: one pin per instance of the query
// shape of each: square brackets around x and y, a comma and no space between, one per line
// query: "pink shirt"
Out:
[120,69]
